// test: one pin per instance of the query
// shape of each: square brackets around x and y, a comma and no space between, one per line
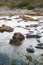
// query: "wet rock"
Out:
[19,36]
[7,19]
[30,49]
[17,39]
[35,25]
[28,18]
[40,44]
[38,40]
[15,42]
[27,26]
[3,19]
[32,36]
[6,28]
[39,47]
[19,26]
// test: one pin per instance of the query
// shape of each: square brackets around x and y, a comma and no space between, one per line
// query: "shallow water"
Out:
[19,52]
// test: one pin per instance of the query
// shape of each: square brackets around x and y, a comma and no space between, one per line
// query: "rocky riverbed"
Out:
[23,34]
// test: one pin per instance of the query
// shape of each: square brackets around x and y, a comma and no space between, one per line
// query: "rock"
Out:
[17,39]
[28,18]
[40,44]
[6,28]
[19,26]
[30,49]
[32,36]
[39,47]
[8,20]
[15,42]
[3,19]
[38,40]
[19,36]
[36,14]
[35,25]
[32,25]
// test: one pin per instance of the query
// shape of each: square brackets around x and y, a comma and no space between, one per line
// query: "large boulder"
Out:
[19,36]
[16,39]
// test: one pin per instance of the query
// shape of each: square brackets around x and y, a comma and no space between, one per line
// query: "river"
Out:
[19,52]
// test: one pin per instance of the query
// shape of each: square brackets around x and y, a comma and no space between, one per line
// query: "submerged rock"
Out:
[3,19]
[8,20]
[35,25]
[30,49]
[40,44]
[17,39]
[39,47]
[6,28]
[32,25]
[32,36]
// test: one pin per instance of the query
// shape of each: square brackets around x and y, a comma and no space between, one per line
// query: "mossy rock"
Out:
[18,43]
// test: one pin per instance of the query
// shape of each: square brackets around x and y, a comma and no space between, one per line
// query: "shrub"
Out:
[23,4]
[29,7]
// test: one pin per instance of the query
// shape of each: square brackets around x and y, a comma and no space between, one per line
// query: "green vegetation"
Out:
[13,62]
[41,54]
[29,7]
[29,60]
[28,4]
[23,4]
[12,5]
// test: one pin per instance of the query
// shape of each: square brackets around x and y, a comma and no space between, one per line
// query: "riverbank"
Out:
[10,12]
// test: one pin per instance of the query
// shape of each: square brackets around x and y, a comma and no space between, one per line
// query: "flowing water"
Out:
[18,52]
